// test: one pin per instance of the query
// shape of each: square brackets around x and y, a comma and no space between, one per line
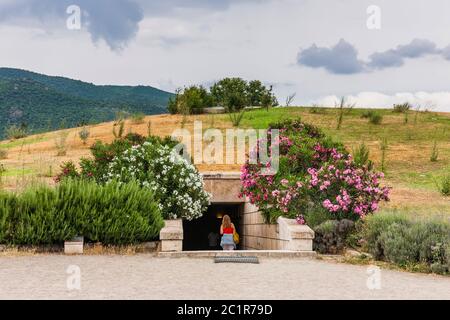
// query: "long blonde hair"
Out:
[226,221]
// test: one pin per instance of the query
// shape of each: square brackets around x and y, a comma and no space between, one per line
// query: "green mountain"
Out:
[45,103]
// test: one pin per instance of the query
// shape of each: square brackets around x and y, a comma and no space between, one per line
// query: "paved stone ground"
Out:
[147,277]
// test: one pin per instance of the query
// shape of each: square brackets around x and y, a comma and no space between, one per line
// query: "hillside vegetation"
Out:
[44,103]
[409,146]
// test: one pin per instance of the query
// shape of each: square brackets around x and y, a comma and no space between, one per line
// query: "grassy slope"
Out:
[410,171]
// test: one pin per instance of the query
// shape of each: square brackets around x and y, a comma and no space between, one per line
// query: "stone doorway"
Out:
[204,233]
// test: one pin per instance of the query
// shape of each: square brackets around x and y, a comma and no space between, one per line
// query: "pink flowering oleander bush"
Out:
[315,174]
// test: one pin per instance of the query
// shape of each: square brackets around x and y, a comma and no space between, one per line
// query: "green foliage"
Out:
[398,239]
[111,214]
[367,114]
[234,94]
[331,235]
[118,128]
[422,242]
[316,215]
[316,109]
[190,100]
[137,118]
[443,185]
[149,161]
[361,155]
[434,152]
[42,101]
[103,154]
[84,135]
[61,143]
[260,95]
[16,132]
[402,108]
[236,117]
[376,118]
[2,172]
[177,183]
[314,171]
[374,226]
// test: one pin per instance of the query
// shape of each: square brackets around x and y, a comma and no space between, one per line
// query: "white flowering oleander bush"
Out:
[176,183]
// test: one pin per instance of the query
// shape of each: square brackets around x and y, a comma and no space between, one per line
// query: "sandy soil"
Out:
[146,277]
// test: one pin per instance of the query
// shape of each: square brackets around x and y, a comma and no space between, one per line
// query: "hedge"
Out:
[112,214]
[399,239]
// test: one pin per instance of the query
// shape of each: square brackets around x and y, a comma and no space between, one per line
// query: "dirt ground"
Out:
[146,277]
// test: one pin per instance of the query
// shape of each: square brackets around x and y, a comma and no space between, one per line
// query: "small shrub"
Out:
[367,114]
[16,132]
[61,143]
[178,185]
[316,109]
[118,128]
[396,238]
[361,155]
[372,228]
[2,172]
[376,118]
[316,215]
[444,185]
[402,108]
[68,170]
[331,235]
[137,118]
[434,152]
[313,170]
[84,135]
[236,117]
[3,154]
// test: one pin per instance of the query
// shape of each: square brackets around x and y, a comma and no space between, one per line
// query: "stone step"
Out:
[239,253]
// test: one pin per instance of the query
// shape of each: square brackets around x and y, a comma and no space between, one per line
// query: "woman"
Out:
[227,230]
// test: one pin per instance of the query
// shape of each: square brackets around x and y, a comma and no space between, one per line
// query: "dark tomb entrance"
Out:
[204,233]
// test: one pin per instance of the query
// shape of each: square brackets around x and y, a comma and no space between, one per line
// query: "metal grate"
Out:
[253,260]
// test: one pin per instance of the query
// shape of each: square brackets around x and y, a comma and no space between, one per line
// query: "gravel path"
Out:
[146,277]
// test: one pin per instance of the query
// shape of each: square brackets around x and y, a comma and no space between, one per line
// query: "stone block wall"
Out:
[286,234]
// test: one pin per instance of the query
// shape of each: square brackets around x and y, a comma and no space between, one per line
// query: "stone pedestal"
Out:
[171,236]
[295,237]
[74,246]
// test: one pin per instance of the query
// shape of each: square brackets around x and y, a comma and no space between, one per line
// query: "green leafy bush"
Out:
[402,108]
[137,118]
[112,214]
[84,134]
[190,100]
[376,118]
[313,169]
[396,238]
[16,132]
[176,182]
[444,185]
[361,156]
[373,227]
[331,235]
[150,161]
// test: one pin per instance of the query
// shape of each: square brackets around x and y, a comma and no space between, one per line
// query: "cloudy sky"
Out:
[376,52]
